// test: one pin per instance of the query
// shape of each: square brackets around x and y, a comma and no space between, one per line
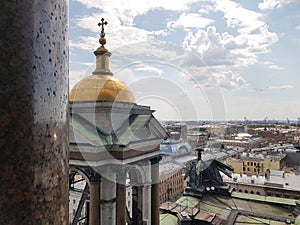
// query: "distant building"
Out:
[297,138]
[225,129]
[243,140]
[175,147]
[276,184]
[257,164]
[235,128]
[171,183]
[75,194]
[197,139]
[177,131]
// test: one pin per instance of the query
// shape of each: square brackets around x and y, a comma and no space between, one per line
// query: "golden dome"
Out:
[101,88]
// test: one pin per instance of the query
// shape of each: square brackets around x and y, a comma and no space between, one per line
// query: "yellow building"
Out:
[257,165]
[237,164]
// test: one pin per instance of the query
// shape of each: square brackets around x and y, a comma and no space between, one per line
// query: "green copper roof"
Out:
[167,219]
[85,130]
[269,199]
[131,128]
[188,201]
[135,128]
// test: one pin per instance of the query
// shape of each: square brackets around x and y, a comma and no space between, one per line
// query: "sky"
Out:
[196,59]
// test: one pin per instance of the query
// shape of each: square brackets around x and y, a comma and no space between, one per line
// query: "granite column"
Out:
[155,191]
[121,198]
[33,112]
[94,214]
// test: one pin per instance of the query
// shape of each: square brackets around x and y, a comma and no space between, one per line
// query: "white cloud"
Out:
[273,88]
[155,57]
[114,39]
[84,43]
[282,87]
[218,56]
[151,69]
[273,4]
[190,20]
[246,21]
[126,75]
[77,75]
[225,53]
[127,10]
[229,50]
[273,66]
[276,67]
[298,27]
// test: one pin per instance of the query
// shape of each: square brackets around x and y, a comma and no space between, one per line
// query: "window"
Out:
[254,170]
[255,164]
[251,163]
[244,168]
[248,169]
[248,163]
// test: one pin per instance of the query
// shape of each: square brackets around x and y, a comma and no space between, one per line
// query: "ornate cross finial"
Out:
[101,50]
[102,26]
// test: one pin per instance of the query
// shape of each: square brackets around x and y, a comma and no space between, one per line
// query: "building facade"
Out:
[276,184]
[171,182]
[257,165]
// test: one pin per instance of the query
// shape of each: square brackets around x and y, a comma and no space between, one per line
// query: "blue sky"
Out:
[196,59]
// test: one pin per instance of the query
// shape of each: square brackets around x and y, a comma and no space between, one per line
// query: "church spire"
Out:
[102,54]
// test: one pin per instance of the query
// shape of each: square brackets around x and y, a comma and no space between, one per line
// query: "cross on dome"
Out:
[102,40]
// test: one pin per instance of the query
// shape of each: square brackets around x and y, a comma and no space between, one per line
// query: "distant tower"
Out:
[112,140]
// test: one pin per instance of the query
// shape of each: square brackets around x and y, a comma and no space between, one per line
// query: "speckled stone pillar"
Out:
[94,218]
[121,198]
[155,191]
[33,112]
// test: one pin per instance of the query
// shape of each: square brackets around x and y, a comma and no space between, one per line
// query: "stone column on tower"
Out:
[137,204]
[155,191]
[121,198]
[33,112]
[146,164]
[94,206]
[147,202]
[108,197]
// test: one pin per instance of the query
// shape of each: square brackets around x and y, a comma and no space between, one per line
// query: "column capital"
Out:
[155,160]
[121,175]
[93,176]
[148,184]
